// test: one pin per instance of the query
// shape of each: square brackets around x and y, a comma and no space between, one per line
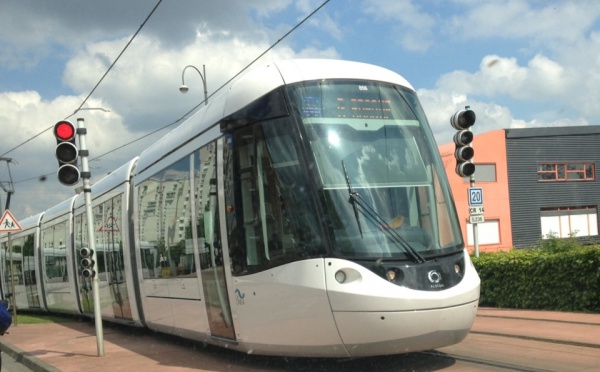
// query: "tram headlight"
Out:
[458,269]
[390,275]
[340,276]
[394,275]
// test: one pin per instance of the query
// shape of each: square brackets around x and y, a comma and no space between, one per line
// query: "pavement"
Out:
[73,346]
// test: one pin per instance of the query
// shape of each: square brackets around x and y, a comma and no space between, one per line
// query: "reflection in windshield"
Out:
[387,228]
[381,136]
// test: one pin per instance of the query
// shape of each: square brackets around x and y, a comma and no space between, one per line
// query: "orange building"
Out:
[537,183]
[491,174]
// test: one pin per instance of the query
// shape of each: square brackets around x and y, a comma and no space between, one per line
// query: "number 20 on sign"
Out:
[475,196]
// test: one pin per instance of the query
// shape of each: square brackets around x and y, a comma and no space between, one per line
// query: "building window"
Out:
[483,173]
[488,232]
[567,171]
[564,222]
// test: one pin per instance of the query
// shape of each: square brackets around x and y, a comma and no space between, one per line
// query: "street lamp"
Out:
[184,88]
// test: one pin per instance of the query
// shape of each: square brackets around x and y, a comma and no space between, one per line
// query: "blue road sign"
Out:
[475,196]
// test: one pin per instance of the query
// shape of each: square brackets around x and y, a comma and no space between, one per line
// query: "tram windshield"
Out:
[383,184]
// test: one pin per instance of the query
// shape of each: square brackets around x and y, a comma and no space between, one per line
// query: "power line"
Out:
[188,112]
[99,81]
[116,59]
[222,86]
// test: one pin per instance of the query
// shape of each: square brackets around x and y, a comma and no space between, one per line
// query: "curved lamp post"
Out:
[184,88]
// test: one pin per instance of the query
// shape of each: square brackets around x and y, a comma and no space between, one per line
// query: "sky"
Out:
[516,63]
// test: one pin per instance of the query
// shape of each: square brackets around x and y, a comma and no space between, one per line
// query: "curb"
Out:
[27,360]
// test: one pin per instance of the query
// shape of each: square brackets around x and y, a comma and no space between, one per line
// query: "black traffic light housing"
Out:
[66,153]
[87,262]
[462,121]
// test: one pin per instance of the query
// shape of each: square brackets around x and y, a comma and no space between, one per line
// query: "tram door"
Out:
[213,245]
[111,236]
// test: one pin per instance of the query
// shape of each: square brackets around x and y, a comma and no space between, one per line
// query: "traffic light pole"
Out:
[475,230]
[87,191]
[462,122]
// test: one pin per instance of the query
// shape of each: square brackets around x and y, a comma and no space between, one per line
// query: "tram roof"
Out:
[247,88]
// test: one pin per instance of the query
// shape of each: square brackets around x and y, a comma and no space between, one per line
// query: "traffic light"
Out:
[87,262]
[462,121]
[66,153]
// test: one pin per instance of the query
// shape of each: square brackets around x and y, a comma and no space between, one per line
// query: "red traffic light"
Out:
[64,131]
[66,152]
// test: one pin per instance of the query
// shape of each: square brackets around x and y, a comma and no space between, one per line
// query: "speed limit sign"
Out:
[475,196]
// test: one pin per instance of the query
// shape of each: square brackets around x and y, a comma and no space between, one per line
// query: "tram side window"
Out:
[17,248]
[207,227]
[110,241]
[5,269]
[165,223]
[81,238]
[28,260]
[55,250]
[275,217]
[17,257]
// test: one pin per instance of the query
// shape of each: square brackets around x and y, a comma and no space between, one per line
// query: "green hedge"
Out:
[560,275]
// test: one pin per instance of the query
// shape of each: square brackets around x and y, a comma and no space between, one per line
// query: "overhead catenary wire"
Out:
[221,87]
[99,81]
[189,111]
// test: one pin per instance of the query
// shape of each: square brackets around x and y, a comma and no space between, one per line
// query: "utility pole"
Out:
[87,191]
[68,174]
[9,191]
[462,121]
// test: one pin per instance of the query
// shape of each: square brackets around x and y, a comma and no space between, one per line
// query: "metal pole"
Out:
[13,298]
[9,192]
[475,232]
[87,191]
[184,88]
[204,83]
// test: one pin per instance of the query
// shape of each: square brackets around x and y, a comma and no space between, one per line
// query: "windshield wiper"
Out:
[354,198]
[359,205]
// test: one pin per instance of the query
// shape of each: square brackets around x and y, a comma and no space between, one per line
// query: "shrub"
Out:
[561,274]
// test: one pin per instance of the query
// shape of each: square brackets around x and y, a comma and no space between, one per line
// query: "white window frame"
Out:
[488,233]
[565,222]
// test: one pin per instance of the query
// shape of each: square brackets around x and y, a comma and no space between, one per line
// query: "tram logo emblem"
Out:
[434,276]
[239,297]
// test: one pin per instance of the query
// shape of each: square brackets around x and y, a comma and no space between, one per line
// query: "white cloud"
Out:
[141,92]
[549,76]
[30,117]
[440,105]
[145,82]
[542,79]
[547,22]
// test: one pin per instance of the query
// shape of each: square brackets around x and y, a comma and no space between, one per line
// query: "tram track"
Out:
[538,339]
[524,340]
[539,319]
[498,332]
[485,362]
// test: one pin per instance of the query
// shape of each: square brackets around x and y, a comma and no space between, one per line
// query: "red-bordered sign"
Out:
[9,223]
[110,225]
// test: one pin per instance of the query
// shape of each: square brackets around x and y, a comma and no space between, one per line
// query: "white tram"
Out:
[303,212]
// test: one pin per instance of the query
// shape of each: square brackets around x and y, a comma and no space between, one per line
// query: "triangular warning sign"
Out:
[8,223]
[110,225]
